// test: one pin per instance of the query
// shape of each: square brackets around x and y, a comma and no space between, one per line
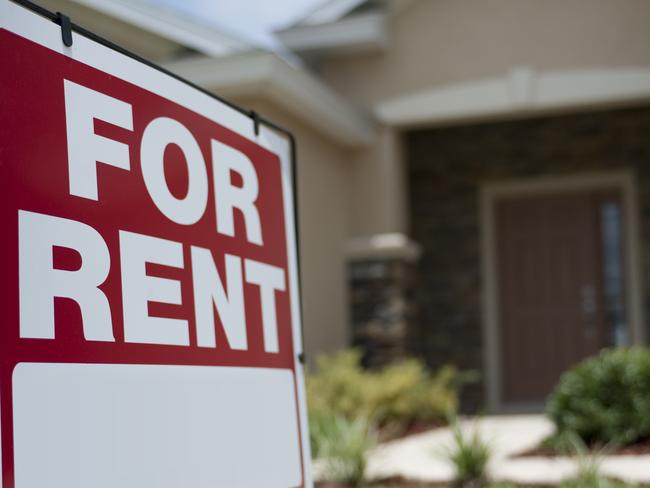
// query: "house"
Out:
[508,139]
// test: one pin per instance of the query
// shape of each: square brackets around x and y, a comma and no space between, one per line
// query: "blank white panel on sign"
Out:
[137,426]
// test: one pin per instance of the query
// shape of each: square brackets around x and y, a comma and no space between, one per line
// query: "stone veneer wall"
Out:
[446,167]
[383,309]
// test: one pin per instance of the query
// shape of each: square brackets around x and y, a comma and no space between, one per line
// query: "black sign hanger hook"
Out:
[66,28]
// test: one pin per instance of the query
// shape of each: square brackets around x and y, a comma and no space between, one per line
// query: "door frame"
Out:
[623,181]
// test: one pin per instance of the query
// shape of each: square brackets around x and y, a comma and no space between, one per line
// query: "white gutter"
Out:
[355,34]
[262,74]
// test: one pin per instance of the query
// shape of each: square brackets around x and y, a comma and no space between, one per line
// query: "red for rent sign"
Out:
[150,326]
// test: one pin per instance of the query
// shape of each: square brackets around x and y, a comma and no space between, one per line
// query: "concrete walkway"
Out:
[423,456]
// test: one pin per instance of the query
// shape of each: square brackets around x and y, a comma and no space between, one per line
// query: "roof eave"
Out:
[263,74]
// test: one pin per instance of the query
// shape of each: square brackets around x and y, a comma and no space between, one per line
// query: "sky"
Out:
[250,20]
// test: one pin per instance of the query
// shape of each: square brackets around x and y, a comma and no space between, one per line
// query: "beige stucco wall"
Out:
[324,186]
[377,176]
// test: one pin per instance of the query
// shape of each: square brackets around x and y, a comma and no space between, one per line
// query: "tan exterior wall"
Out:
[378,179]
[436,42]
[324,185]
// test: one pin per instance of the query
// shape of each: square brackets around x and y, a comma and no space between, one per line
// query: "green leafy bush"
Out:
[318,431]
[340,387]
[606,398]
[344,445]
[398,394]
[406,392]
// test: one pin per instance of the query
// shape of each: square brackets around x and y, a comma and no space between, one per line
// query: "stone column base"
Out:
[383,311]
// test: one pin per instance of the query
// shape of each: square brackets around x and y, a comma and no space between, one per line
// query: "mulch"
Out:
[392,482]
[639,448]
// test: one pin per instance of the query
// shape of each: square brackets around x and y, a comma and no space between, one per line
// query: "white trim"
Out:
[170,25]
[356,34]
[521,93]
[489,193]
[265,75]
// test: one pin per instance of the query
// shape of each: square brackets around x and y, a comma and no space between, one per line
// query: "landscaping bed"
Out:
[399,482]
[603,401]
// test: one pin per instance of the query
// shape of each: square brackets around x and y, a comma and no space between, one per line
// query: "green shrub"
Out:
[405,393]
[470,456]
[339,387]
[318,425]
[605,399]
[399,394]
[344,444]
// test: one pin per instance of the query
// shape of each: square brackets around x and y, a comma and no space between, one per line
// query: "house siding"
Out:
[446,167]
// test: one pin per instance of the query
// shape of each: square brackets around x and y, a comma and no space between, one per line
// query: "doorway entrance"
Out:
[560,283]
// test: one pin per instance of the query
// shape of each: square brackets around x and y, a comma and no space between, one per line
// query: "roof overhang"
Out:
[521,93]
[265,75]
[355,34]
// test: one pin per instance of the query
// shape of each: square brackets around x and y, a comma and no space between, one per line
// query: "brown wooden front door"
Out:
[559,268]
